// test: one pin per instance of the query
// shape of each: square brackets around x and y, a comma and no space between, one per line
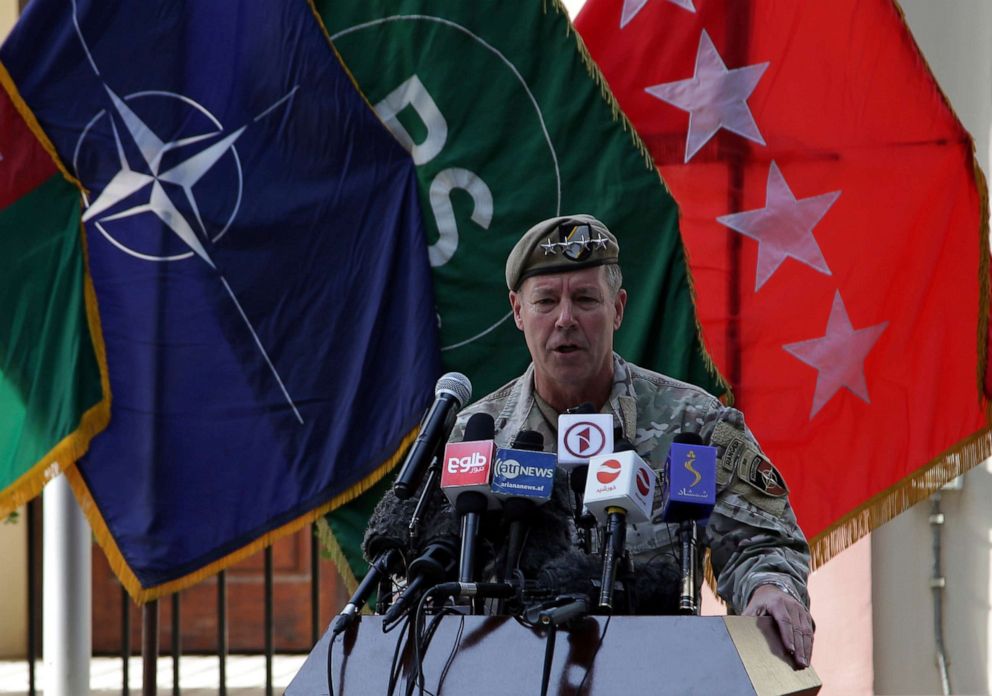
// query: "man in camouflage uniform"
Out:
[564,282]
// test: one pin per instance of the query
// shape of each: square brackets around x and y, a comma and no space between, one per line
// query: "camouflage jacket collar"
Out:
[520,411]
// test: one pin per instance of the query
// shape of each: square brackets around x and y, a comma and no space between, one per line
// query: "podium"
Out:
[496,655]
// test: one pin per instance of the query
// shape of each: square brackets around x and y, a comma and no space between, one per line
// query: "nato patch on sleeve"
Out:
[747,471]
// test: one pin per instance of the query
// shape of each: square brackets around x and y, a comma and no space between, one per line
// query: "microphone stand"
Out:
[430,484]
[380,570]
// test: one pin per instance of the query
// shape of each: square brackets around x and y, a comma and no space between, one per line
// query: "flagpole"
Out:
[67,615]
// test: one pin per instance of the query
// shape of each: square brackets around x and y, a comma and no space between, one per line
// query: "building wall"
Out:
[14,584]
[956,38]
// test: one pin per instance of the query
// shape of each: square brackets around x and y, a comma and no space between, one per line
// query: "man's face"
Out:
[568,320]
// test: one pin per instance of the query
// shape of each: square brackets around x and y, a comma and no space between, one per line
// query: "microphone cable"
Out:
[454,651]
[330,673]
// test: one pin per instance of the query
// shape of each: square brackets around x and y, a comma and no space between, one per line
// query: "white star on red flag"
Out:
[839,356]
[632,7]
[784,227]
[714,96]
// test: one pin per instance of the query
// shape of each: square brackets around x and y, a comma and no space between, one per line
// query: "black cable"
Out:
[592,662]
[451,656]
[330,678]
[428,637]
[418,675]
[397,665]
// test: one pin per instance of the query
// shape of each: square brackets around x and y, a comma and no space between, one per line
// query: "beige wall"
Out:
[8,13]
[956,38]
[14,587]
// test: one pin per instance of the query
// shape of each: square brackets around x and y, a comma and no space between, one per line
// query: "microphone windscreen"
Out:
[528,440]
[622,445]
[583,408]
[687,438]
[480,426]
[570,572]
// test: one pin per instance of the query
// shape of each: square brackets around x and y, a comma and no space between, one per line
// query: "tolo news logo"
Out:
[467,463]
[472,463]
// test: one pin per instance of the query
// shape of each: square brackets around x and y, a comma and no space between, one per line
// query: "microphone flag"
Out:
[620,479]
[523,474]
[582,436]
[688,483]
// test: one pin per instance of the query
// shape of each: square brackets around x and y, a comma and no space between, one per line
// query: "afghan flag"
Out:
[508,122]
[836,227]
[260,297]
[51,398]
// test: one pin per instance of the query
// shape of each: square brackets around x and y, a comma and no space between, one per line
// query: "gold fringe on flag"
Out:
[330,542]
[914,488]
[145,594]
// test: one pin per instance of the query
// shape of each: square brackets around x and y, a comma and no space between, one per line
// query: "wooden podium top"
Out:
[638,655]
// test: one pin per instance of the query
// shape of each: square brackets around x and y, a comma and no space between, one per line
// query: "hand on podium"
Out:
[794,623]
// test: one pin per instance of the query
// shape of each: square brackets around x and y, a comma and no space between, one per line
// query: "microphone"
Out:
[434,565]
[582,433]
[382,567]
[451,393]
[620,486]
[523,479]
[688,494]
[465,475]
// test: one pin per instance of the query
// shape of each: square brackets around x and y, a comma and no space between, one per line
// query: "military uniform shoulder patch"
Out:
[762,474]
[747,471]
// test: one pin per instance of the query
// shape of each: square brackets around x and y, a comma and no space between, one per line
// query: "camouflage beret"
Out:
[556,245]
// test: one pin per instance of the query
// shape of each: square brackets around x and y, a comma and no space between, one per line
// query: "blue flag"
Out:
[260,271]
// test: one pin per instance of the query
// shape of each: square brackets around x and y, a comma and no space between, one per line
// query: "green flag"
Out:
[509,122]
[51,399]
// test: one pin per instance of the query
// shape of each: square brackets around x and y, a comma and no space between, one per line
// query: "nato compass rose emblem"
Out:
[160,160]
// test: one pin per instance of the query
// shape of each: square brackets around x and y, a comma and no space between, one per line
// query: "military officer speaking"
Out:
[565,289]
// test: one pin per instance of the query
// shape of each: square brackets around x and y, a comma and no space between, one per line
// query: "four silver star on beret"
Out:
[554,247]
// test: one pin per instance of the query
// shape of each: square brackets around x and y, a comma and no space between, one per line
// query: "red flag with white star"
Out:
[836,226]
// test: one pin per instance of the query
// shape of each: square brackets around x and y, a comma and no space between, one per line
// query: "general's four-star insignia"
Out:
[575,245]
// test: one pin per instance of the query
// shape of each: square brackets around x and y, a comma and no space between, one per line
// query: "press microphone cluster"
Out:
[478,476]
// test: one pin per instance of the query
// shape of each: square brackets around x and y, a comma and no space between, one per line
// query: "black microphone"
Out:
[451,393]
[518,509]
[688,495]
[382,567]
[434,565]
[577,484]
[465,480]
